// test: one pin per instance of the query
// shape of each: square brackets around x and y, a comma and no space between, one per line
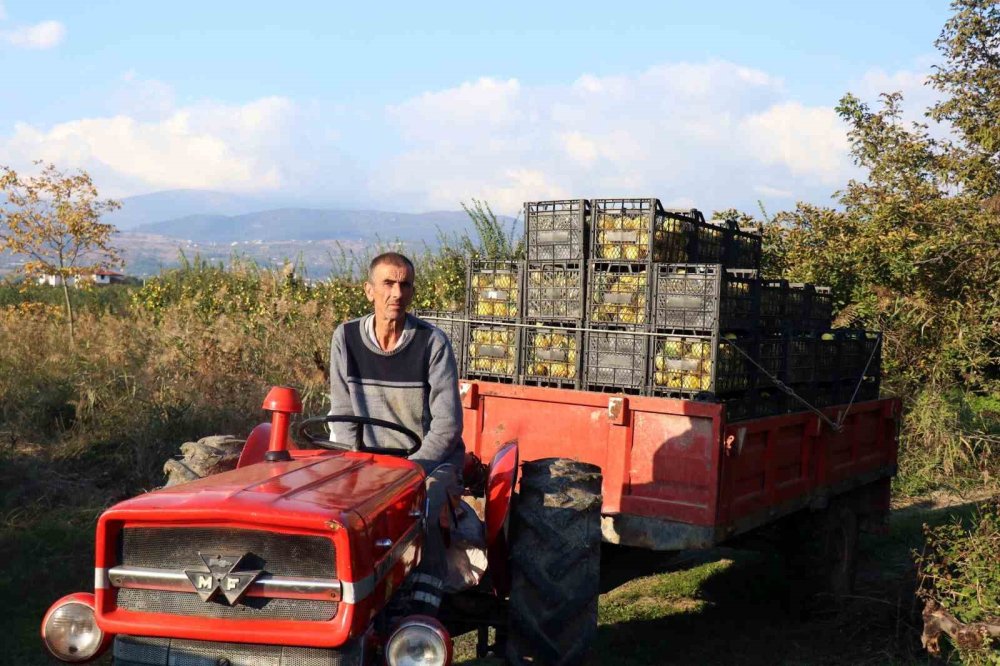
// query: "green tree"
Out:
[969,79]
[54,219]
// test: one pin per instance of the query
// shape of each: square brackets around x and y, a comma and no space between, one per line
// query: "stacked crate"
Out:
[703,317]
[454,326]
[556,235]
[625,296]
[627,237]
[494,292]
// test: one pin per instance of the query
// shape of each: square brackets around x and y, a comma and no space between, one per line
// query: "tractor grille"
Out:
[143,651]
[278,554]
[249,608]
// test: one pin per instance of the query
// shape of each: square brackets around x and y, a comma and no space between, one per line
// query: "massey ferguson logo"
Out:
[222,576]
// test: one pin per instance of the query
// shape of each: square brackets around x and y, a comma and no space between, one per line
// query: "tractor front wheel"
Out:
[555,555]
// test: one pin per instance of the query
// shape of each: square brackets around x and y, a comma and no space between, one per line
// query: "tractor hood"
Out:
[330,535]
[307,492]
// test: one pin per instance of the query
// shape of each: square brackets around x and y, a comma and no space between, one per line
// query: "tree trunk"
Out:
[69,309]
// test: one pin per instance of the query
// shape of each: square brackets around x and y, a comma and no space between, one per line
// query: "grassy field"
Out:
[723,606]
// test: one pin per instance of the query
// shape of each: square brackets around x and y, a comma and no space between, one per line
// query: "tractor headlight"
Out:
[70,629]
[419,641]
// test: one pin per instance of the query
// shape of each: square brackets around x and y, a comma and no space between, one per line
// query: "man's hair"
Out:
[391,258]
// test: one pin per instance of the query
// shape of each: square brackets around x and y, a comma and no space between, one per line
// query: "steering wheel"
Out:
[359,445]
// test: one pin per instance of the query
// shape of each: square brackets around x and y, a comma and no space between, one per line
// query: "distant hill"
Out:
[310,224]
[172,204]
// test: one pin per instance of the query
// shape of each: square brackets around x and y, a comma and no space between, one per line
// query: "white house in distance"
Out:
[100,276]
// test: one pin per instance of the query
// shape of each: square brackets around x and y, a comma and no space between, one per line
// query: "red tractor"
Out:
[299,555]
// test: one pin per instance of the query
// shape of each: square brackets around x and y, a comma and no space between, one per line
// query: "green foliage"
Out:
[495,240]
[113,299]
[949,439]
[958,569]
[969,79]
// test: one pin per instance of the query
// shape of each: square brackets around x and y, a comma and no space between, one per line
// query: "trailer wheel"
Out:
[822,552]
[555,563]
[840,548]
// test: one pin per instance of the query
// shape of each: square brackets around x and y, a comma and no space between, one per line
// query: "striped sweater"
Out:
[414,385]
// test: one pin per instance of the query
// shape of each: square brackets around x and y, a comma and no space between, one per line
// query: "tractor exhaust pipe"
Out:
[282,402]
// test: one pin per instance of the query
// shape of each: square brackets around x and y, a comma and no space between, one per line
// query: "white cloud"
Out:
[259,146]
[44,35]
[3,12]
[774,192]
[807,141]
[701,133]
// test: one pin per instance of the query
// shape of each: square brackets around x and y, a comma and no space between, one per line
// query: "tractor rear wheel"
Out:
[555,555]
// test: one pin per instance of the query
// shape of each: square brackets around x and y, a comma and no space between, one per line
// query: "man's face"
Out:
[390,290]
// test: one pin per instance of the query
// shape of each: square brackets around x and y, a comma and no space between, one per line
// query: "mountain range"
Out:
[155,229]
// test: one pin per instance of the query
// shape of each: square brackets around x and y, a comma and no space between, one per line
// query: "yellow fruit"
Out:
[559,370]
[660,378]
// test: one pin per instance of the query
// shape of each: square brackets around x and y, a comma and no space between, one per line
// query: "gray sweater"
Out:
[414,385]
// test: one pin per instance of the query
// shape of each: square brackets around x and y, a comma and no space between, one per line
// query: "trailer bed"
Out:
[676,474]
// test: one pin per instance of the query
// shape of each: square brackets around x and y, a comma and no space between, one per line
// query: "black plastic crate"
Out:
[698,366]
[709,243]
[555,292]
[770,401]
[493,352]
[552,356]
[557,231]
[773,296]
[615,361]
[871,348]
[740,407]
[821,308]
[453,325]
[851,353]
[798,304]
[640,230]
[829,394]
[703,297]
[802,357]
[805,391]
[827,356]
[493,289]
[743,248]
[869,389]
[619,294]
[771,353]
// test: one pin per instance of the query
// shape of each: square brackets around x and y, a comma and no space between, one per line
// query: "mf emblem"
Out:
[223,576]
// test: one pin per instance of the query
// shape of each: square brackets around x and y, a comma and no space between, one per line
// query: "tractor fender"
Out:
[500,485]
[256,446]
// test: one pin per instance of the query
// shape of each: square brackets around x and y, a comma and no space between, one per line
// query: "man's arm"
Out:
[445,430]
[340,397]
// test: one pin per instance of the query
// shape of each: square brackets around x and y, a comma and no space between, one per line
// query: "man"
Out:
[393,366]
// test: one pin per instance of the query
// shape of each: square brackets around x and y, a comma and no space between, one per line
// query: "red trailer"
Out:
[677,475]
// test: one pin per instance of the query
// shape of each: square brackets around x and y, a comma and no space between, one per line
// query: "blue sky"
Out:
[416,107]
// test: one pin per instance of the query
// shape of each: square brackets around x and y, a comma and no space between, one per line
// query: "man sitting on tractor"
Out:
[393,366]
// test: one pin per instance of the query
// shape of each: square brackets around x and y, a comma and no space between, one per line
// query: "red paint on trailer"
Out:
[679,460]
